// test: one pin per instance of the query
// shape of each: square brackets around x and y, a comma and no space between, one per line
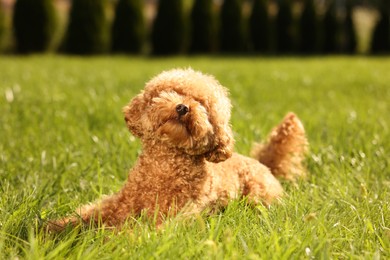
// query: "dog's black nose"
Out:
[181,109]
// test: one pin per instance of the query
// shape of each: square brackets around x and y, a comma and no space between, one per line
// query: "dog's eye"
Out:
[182,109]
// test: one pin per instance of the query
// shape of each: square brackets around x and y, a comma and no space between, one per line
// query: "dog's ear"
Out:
[224,146]
[133,113]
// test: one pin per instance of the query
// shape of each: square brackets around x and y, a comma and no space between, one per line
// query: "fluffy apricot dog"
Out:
[187,161]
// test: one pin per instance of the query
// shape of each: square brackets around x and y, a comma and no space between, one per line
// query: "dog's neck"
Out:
[174,157]
[161,163]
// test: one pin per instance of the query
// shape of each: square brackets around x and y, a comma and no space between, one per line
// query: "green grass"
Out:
[63,142]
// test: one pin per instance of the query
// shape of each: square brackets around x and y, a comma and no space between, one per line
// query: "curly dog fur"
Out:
[187,160]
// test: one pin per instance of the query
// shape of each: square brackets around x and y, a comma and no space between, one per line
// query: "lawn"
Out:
[63,142]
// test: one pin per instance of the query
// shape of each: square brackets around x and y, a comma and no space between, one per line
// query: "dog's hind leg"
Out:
[261,186]
[285,149]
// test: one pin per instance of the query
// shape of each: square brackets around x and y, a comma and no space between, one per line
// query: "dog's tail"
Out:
[284,151]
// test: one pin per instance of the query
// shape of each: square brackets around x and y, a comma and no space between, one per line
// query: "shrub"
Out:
[232,31]
[284,27]
[128,29]
[350,35]
[331,30]
[2,27]
[381,34]
[88,30]
[308,28]
[259,26]
[34,25]
[202,27]
[168,28]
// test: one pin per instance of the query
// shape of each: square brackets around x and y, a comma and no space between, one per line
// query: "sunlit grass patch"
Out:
[64,143]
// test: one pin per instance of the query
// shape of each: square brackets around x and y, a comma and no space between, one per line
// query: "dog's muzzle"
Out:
[182,109]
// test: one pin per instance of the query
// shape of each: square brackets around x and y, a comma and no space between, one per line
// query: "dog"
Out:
[187,161]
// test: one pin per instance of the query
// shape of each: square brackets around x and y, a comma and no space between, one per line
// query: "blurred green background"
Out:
[168,27]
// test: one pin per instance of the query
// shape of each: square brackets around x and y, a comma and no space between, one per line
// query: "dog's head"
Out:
[184,109]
